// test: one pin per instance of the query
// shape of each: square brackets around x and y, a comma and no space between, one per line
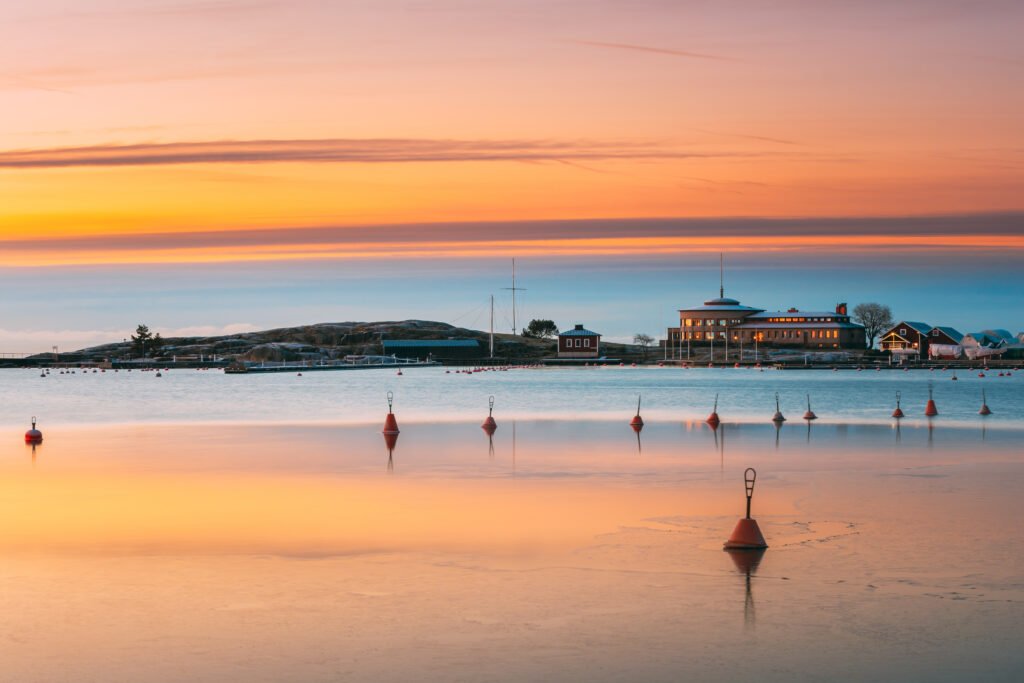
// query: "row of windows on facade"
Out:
[761,336]
[701,322]
[580,343]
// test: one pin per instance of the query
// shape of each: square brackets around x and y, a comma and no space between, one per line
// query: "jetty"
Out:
[347,363]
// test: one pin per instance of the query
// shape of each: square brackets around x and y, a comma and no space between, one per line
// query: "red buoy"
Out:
[984,406]
[33,435]
[489,425]
[637,423]
[390,423]
[747,534]
[778,417]
[713,417]
[898,413]
[930,410]
[809,415]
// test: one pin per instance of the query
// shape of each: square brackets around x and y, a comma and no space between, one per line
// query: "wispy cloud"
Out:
[747,136]
[541,239]
[345,151]
[656,50]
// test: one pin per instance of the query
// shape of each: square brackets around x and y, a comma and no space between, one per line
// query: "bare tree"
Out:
[876,318]
[644,341]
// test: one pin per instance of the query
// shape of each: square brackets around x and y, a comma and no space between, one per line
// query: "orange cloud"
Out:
[55,254]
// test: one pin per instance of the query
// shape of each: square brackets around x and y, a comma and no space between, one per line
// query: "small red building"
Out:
[908,337]
[579,343]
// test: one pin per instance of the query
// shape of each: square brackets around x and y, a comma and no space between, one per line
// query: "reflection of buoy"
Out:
[930,410]
[33,435]
[747,534]
[898,413]
[637,423]
[809,415]
[778,416]
[984,406]
[390,423]
[489,424]
[713,417]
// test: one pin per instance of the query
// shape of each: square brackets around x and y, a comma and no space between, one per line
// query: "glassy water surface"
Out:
[208,528]
[432,395]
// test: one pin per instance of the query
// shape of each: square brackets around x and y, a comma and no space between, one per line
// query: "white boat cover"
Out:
[982,352]
[945,351]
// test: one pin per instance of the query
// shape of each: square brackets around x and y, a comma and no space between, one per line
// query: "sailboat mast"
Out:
[492,326]
[514,328]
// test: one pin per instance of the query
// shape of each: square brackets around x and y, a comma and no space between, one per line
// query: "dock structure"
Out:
[349,363]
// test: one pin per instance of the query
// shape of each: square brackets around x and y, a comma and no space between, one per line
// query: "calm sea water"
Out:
[432,395]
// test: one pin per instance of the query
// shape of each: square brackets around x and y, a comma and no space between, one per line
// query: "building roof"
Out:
[430,343]
[578,331]
[721,304]
[796,314]
[1001,334]
[950,332]
[923,328]
[756,325]
[982,339]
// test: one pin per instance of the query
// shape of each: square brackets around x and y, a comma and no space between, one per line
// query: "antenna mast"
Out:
[721,275]
[514,290]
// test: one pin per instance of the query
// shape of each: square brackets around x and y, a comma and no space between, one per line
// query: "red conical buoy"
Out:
[33,435]
[489,424]
[984,406]
[390,423]
[930,410]
[898,413]
[778,416]
[713,417]
[637,422]
[809,415]
[747,534]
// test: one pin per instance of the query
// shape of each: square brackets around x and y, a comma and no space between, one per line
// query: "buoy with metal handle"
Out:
[898,413]
[747,534]
[809,415]
[637,423]
[778,416]
[390,423]
[33,435]
[489,424]
[713,417]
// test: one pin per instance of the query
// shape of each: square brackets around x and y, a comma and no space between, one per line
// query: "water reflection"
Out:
[390,441]
[746,563]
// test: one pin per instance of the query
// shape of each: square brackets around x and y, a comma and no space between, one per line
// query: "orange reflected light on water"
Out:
[322,515]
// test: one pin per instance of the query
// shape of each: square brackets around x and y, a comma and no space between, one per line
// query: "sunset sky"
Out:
[222,165]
